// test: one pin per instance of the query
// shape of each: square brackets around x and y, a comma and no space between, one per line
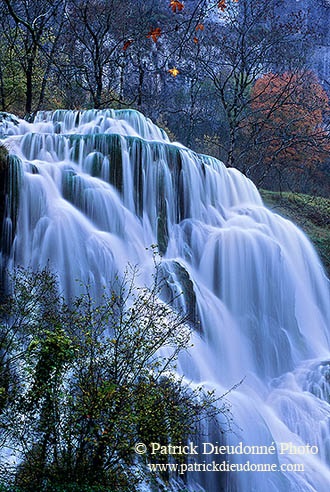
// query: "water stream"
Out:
[91,190]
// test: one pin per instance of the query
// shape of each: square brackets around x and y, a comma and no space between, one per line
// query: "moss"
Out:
[162,232]
[3,157]
[173,271]
[3,180]
[310,213]
[136,153]
[14,183]
[188,290]
[115,159]
[97,161]
[10,185]
[75,143]
[101,145]
[110,146]
[68,177]
[162,228]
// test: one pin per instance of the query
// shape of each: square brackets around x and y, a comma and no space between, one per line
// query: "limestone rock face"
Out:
[318,20]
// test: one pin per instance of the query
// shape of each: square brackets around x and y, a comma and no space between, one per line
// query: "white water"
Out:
[262,295]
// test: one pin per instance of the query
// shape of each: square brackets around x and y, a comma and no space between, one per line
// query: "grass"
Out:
[310,213]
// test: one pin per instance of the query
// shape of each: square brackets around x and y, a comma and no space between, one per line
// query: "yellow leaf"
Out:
[174,71]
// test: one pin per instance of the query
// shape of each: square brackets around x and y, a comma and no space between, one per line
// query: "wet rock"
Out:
[179,283]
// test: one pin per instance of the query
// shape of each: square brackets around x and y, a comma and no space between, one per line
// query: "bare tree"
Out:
[239,48]
[29,27]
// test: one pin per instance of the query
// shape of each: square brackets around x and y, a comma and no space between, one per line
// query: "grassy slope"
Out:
[312,214]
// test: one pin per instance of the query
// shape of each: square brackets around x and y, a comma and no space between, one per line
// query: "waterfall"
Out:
[91,190]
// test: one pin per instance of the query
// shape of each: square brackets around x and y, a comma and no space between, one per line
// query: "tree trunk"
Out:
[2,92]
[121,83]
[141,80]
[232,140]
[29,88]
[99,89]
[191,113]
[43,88]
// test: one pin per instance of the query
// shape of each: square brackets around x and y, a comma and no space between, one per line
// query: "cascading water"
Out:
[90,190]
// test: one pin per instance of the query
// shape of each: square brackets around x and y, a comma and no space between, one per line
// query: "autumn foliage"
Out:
[288,112]
[176,5]
[222,5]
[127,44]
[174,71]
[154,34]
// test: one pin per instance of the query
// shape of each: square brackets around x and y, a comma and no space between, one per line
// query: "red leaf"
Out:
[127,44]
[222,5]
[154,34]
[176,5]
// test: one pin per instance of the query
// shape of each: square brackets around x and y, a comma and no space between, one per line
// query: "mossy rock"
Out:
[101,145]
[162,229]
[173,271]
[3,157]
[68,177]
[3,179]
[162,232]
[115,159]
[11,180]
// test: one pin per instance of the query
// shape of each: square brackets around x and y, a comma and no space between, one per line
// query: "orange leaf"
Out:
[174,71]
[127,44]
[200,26]
[222,5]
[195,40]
[175,4]
[154,34]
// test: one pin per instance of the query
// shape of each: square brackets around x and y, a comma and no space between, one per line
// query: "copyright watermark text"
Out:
[208,448]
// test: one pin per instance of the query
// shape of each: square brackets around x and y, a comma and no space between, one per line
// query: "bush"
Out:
[85,382]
